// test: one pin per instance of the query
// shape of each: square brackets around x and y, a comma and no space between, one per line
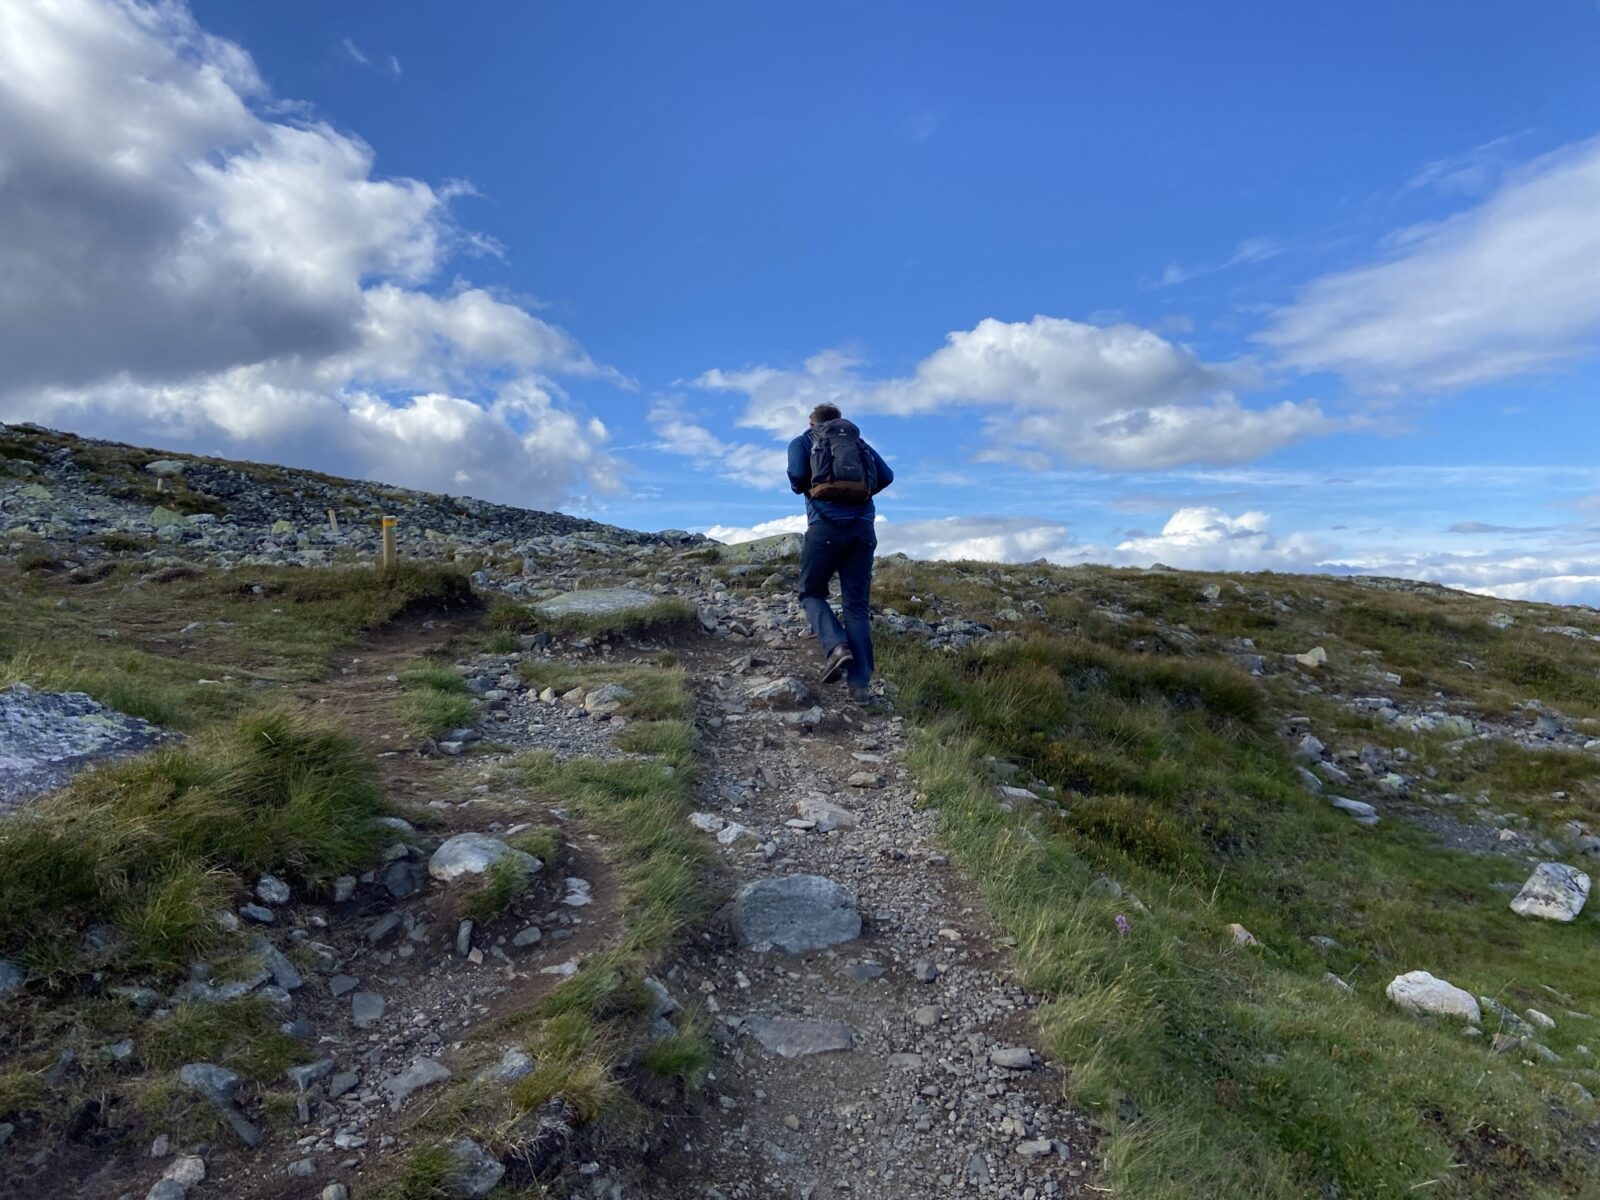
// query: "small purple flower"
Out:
[1122,925]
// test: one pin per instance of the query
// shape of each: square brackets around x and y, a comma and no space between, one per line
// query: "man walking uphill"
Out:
[838,474]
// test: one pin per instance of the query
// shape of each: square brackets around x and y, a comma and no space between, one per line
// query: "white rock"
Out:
[1554,891]
[825,815]
[1420,992]
[1314,657]
[473,854]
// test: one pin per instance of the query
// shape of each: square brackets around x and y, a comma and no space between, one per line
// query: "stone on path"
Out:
[366,1008]
[1012,1058]
[796,913]
[1420,992]
[473,854]
[594,602]
[11,977]
[423,1072]
[826,815]
[787,693]
[799,1037]
[1554,891]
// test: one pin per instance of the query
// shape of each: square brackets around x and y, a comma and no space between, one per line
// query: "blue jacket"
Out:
[831,510]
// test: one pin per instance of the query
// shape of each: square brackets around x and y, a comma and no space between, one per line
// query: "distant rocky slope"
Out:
[57,487]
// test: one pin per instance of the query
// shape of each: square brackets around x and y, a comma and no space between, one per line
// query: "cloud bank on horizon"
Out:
[189,259]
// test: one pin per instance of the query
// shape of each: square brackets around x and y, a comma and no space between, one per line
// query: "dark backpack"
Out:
[842,469]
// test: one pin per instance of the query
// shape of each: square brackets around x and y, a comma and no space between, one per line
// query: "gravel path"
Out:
[919,1104]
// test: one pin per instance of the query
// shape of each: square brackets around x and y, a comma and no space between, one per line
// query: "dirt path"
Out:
[394,941]
[918,1105]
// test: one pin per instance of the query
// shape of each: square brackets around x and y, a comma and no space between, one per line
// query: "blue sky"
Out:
[1301,287]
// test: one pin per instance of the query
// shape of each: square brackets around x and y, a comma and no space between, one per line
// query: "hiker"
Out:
[838,474]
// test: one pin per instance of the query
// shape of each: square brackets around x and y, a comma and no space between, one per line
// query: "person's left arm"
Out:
[885,474]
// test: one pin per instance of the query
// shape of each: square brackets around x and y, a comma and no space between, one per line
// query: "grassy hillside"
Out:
[1169,808]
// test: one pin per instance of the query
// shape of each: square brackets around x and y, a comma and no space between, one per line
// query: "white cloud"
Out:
[1209,539]
[357,55]
[985,539]
[179,266]
[1508,287]
[1050,390]
[750,465]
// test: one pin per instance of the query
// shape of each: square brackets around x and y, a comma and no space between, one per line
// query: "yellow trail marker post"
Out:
[333,521]
[391,556]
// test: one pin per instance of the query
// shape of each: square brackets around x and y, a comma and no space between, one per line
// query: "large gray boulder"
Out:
[477,1172]
[473,854]
[1554,891]
[1420,992]
[796,913]
[594,602]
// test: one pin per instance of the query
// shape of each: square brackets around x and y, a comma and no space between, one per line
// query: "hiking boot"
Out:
[839,661]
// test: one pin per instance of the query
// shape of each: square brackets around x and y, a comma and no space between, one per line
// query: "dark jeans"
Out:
[845,550]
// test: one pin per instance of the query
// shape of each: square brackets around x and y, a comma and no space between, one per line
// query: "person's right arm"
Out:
[800,465]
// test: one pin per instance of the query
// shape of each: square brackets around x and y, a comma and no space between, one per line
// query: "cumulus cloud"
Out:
[1046,390]
[1507,287]
[985,539]
[180,262]
[1209,539]
[753,466]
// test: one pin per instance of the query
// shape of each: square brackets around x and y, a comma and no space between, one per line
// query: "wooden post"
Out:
[333,521]
[391,556]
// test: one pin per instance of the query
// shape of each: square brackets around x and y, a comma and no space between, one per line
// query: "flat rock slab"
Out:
[473,854]
[787,693]
[48,737]
[595,601]
[798,1037]
[1554,891]
[796,913]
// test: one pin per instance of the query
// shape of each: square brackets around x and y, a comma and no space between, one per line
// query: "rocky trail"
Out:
[869,1038]
[893,1063]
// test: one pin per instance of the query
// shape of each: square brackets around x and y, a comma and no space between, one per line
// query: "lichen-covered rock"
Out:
[1554,891]
[47,737]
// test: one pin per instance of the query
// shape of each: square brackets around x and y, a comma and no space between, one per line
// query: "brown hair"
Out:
[823,413]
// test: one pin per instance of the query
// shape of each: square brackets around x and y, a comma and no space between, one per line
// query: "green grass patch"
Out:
[278,624]
[154,845]
[498,888]
[684,1056]
[1220,1070]
[241,1035]
[436,700]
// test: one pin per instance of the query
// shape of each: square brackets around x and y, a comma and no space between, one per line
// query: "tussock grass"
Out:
[1221,1070]
[436,700]
[154,845]
[240,1034]
[685,1056]
[501,886]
